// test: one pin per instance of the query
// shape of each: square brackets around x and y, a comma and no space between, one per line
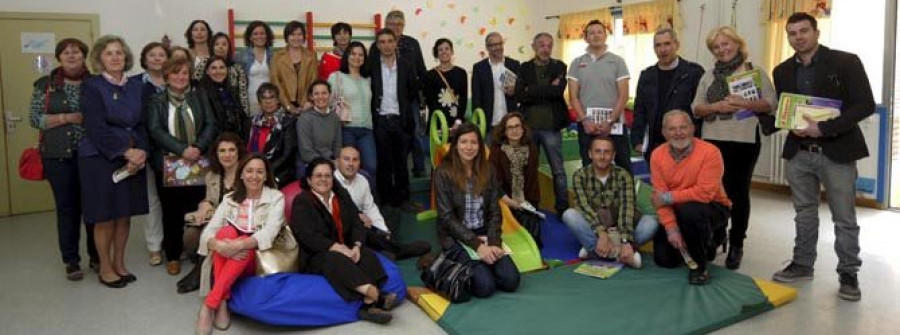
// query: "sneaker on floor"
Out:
[583,253]
[793,272]
[635,262]
[73,272]
[375,315]
[849,287]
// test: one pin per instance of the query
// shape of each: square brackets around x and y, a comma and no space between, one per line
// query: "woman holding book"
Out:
[181,126]
[467,194]
[730,123]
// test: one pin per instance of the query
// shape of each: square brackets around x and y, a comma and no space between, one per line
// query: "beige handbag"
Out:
[283,256]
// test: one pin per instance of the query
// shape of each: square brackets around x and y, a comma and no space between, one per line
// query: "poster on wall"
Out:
[38,43]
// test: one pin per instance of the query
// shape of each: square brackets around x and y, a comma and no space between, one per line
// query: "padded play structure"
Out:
[295,299]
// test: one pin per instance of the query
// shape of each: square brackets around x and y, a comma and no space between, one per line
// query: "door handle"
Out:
[10,117]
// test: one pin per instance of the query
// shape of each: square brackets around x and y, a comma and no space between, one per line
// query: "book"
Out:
[179,172]
[599,268]
[600,114]
[474,254]
[792,107]
[748,85]
[508,78]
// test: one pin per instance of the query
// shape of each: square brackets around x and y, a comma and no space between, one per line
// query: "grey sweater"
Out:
[318,135]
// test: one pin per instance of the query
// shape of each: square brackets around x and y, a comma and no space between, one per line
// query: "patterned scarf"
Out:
[719,88]
[269,123]
[184,125]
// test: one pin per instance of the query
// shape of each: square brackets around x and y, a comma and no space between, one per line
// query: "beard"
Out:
[680,144]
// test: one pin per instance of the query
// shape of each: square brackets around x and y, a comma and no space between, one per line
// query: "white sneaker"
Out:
[636,261]
[583,254]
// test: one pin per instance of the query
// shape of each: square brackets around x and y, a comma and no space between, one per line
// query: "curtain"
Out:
[777,46]
[647,17]
[781,9]
[571,26]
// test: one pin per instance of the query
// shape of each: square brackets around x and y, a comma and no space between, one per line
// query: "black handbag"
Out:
[448,278]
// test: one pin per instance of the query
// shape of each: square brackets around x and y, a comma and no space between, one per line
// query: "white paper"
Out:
[598,114]
[38,43]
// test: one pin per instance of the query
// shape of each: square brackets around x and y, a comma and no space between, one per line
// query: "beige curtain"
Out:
[647,17]
[571,26]
[777,46]
[781,9]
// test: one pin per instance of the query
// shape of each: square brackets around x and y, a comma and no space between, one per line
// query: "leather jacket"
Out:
[451,203]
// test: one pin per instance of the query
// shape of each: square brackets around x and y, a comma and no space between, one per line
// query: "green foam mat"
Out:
[652,300]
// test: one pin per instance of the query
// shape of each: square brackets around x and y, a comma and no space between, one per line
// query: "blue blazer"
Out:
[113,118]
[483,87]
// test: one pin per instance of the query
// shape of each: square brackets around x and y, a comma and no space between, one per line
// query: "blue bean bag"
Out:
[295,299]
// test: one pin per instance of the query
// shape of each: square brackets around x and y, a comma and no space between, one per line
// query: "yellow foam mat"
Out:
[778,294]
[431,303]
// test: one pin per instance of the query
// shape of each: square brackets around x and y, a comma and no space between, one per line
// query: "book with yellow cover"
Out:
[793,107]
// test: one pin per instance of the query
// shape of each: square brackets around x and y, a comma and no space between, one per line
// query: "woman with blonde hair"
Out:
[730,123]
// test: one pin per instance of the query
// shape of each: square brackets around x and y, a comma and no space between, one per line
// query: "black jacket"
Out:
[230,115]
[451,205]
[313,226]
[840,75]
[483,87]
[281,150]
[529,93]
[678,95]
[407,91]
[162,142]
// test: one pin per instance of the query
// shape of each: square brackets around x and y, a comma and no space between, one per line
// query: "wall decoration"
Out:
[462,19]
[38,43]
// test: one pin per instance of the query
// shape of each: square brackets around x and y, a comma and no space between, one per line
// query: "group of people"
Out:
[265,119]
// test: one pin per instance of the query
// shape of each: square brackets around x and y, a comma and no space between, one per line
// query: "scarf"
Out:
[265,125]
[718,90]
[184,125]
[60,75]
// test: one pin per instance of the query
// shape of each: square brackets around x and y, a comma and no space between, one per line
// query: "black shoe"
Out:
[793,272]
[698,277]
[414,249]
[191,281]
[118,283]
[849,287]
[128,278]
[387,301]
[375,315]
[735,253]
[73,272]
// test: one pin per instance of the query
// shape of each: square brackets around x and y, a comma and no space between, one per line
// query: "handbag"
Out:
[30,165]
[283,256]
[448,278]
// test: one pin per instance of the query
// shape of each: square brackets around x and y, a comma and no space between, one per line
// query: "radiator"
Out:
[777,166]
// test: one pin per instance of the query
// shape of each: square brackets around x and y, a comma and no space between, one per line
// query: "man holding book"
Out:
[604,215]
[493,82]
[825,152]
[686,173]
[667,85]
[598,91]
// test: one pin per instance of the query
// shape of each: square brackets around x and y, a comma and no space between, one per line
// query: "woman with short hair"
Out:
[294,68]
[446,86]
[181,126]
[115,142]
[273,134]
[56,112]
[318,128]
[341,33]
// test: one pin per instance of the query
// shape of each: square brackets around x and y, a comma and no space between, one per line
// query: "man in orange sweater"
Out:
[686,173]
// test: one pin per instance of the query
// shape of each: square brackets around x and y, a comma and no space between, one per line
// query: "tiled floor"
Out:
[35,298]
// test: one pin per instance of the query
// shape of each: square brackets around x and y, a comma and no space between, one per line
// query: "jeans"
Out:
[487,279]
[621,143]
[740,159]
[363,139]
[65,183]
[805,172]
[581,228]
[153,229]
[551,141]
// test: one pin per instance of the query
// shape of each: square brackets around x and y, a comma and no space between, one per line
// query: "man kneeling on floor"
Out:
[689,197]
[603,218]
[378,236]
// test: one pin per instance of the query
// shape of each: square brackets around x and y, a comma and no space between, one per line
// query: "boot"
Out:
[735,254]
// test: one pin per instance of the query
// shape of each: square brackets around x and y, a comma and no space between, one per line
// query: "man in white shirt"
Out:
[378,236]
[491,90]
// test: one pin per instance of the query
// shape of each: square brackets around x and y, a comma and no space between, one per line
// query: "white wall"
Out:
[140,22]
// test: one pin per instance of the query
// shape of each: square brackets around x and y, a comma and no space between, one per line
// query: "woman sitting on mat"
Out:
[225,154]
[467,194]
[515,160]
[326,224]
[247,220]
